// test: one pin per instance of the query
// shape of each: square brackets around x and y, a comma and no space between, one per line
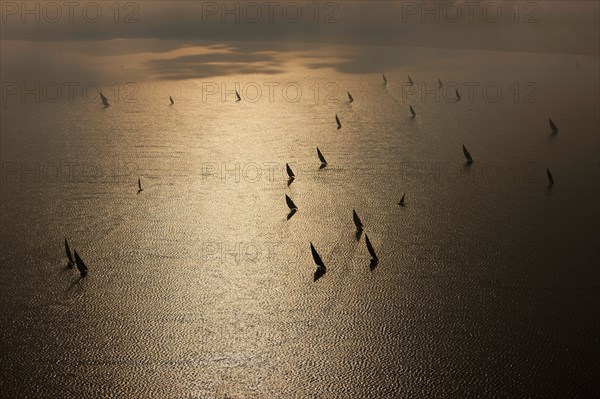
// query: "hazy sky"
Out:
[83,39]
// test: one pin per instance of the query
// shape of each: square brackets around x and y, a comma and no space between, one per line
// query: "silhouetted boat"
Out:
[321,158]
[550,178]
[553,126]
[402,203]
[80,265]
[337,120]
[412,111]
[467,155]
[458,97]
[104,100]
[290,203]
[69,256]
[290,174]
[350,98]
[140,189]
[237,96]
[171,98]
[440,84]
[385,81]
[410,81]
[370,249]
[321,269]
[357,221]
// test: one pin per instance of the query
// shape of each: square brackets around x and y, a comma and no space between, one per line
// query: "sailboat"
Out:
[171,98]
[550,178]
[321,269]
[410,81]
[371,249]
[385,81]
[69,256]
[104,100]
[237,97]
[553,126]
[337,120]
[140,189]
[350,98]
[440,84]
[321,158]
[467,155]
[357,221]
[402,202]
[412,111]
[80,265]
[290,173]
[458,97]
[290,203]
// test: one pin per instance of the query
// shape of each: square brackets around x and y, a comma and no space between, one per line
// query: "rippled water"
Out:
[487,285]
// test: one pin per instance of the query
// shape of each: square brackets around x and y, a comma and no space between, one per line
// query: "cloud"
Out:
[535,26]
[216,64]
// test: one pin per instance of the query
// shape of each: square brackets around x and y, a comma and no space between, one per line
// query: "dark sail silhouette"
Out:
[440,84]
[237,97]
[467,155]
[458,97]
[321,158]
[80,265]
[412,111]
[69,256]
[290,203]
[371,249]
[350,98]
[553,126]
[171,98]
[290,174]
[550,177]
[104,100]
[410,81]
[385,81]
[140,189]
[321,269]
[337,120]
[357,221]
[402,203]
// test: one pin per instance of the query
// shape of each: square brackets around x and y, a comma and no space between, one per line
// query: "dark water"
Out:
[199,287]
